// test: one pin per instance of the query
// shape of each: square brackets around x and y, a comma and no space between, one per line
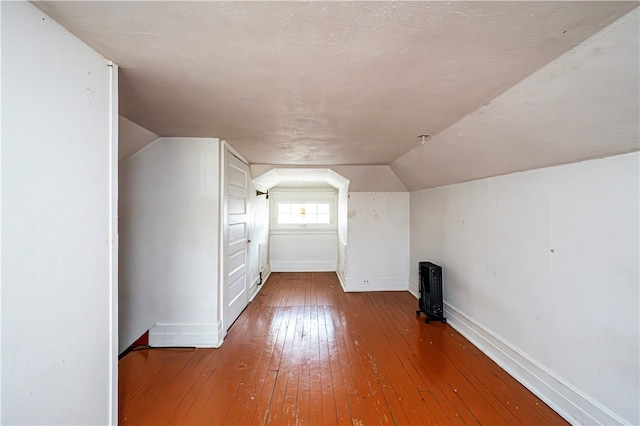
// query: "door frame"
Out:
[113,242]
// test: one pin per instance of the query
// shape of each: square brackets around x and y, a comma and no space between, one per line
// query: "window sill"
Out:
[303,230]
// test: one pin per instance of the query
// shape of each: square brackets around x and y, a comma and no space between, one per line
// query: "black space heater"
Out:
[430,301]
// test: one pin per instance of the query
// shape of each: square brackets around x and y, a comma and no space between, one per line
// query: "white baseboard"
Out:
[566,400]
[377,284]
[266,273]
[255,288]
[302,266]
[187,335]
[414,288]
[343,280]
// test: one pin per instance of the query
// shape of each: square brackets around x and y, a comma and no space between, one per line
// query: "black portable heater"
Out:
[430,301]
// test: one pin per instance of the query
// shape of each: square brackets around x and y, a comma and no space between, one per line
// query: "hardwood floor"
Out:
[304,352]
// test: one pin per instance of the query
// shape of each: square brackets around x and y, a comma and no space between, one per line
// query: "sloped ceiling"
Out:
[329,83]
[583,105]
[361,178]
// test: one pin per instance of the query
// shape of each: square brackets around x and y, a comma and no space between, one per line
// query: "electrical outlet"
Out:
[365,281]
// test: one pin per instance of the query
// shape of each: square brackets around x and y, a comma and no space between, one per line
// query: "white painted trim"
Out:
[235,153]
[1,239]
[343,281]
[113,242]
[186,335]
[266,272]
[222,232]
[561,396]
[310,196]
[284,193]
[254,288]
[303,266]
[414,288]
[304,231]
[377,284]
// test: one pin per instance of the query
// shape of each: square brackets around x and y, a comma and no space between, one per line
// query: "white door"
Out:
[236,238]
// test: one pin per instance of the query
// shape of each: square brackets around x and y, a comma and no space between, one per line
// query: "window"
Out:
[303,210]
[304,213]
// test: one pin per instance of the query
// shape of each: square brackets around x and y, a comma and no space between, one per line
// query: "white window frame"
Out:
[329,196]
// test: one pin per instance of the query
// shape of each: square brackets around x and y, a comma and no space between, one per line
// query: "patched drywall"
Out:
[584,104]
[58,161]
[376,256]
[545,264]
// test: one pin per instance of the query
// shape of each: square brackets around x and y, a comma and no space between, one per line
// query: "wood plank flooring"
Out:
[304,352]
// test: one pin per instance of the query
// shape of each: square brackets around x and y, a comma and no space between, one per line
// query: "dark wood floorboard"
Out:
[306,353]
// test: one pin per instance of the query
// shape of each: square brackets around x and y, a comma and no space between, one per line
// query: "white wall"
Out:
[377,253]
[258,249]
[59,158]
[370,178]
[169,225]
[304,251]
[541,271]
[343,231]
[132,137]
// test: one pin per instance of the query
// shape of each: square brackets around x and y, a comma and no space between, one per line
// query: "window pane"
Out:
[323,218]
[303,213]
[284,218]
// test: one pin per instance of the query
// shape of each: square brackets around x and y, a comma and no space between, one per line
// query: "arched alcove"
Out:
[309,178]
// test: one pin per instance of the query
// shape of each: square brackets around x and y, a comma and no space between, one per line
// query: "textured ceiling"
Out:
[583,105]
[323,82]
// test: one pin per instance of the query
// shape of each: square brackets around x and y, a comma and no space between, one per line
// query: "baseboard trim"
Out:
[255,288]
[356,284]
[566,400]
[303,266]
[266,273]
[187,335]
[414,288]
[342,281]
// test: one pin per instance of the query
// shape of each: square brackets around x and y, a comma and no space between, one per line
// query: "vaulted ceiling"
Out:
[329,83]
